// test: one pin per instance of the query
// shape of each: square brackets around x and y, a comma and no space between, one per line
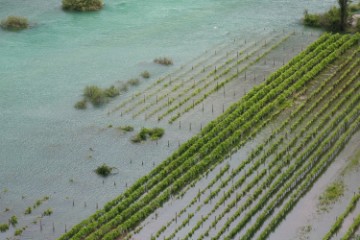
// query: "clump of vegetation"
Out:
[94,94]
[164,61]
[19,231]
[4,227]
[126,128]
[40,201]
[104,170]
[47,212]
[331,194]
[111,92]
[330,20]
[82,104]
[15,23]
[133,82]
[336,19]
[28,211]
[145,133]
[145,74]
[82,5]
[13,221]
[97,96]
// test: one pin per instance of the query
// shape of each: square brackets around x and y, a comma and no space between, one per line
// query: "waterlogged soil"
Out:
[307,211]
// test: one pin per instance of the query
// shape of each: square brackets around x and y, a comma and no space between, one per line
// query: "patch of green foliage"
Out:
[82,104]
[329,20]
[47,212]
[163,61]
[145,74]
[82,5]
[18,232]
[13,221]
[145,133]
[97,96]
[15,23]
[104,170]
[126,128]
[133,82]
[28,211]
[4,227]
[332,193]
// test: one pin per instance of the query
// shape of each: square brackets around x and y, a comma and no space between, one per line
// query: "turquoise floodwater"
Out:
[44,141]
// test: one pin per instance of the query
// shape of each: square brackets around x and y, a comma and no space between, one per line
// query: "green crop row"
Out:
[339,220]
[312,176]
[197,91]
[113,211]
[204,80]
[355,225]
[299,161]
[290,179]
[222,185]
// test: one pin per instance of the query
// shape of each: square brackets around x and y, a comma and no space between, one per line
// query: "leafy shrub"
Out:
[81,104]
[47,212]
[145,74]
[126,128]
[133,82]
[28,211]
[14,23]
[95,95]
[13,221]
[164,61]
[4,227]
[111,92]
[358,25]
[82,5]
[154,134]
[18,232]
[104,170]
[329,20]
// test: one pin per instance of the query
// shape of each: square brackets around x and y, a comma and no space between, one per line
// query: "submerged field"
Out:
[250,168]
[234,105]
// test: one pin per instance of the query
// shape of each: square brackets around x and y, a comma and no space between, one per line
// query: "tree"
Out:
[343,4]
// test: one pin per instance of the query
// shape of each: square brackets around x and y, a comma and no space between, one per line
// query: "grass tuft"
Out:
[82,5]
[164,61]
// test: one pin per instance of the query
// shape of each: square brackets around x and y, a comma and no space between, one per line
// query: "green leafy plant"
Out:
[14,23]
[82,5]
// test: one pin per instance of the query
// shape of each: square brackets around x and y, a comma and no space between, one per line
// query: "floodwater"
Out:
[48,148]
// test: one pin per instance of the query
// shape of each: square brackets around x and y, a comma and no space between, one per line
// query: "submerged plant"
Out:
[14,23]
[4,227]
[82,104]
[47,212]
[13,220]
[154,134]
[104,170]
[133,82]
[126,128]
[145,74]
[82,5]
[163,61]
[111,92]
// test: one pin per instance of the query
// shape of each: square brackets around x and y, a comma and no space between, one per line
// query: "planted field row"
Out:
[212,146]
[201,64]
[339,220]
[251,169]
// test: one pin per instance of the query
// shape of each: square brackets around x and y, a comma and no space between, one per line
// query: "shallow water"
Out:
[44,143]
